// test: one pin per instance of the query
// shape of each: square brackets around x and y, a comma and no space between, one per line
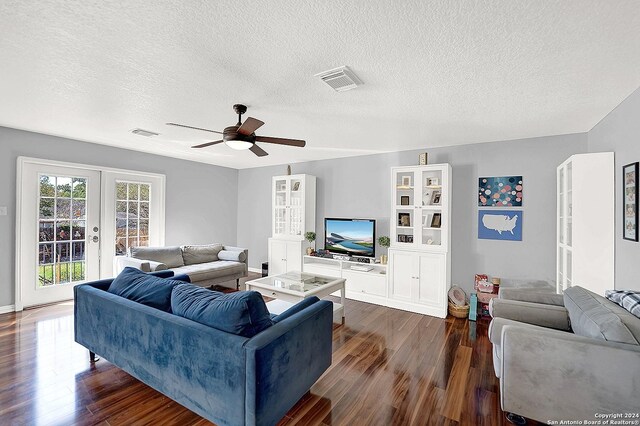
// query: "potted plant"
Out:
[311,237]
[384,241]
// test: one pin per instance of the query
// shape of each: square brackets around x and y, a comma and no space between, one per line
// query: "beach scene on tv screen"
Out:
[355,237]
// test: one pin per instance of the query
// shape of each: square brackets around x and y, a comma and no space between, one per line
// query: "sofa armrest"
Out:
[531,295]
[553,375]
[550,316]
[285,360]
[121,262]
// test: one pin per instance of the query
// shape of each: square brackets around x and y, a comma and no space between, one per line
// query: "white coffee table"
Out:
[292,287]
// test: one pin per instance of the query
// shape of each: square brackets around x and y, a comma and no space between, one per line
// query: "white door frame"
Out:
[21,161]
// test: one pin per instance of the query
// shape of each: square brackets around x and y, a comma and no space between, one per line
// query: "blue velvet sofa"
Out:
[226,378]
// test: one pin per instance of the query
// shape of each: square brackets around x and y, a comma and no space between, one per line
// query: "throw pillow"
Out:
[144,288]
[630,300]
[170,256]
[243,313]
[200,254]
[234,256]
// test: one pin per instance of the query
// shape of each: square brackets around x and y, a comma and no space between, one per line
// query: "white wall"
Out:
[359,187]
[619,132]
[201,199]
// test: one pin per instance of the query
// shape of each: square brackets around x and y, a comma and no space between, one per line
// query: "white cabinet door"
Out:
[277,257]
[431,276]
[402,265]
[294,256]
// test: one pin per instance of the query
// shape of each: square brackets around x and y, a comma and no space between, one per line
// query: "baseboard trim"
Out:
[7,309]
[256,270]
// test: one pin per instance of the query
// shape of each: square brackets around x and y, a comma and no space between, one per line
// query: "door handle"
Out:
[95,239]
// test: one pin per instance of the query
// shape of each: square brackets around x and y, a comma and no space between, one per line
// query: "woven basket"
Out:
[459,311]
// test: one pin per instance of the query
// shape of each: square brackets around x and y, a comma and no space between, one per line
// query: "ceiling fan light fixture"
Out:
[238,144]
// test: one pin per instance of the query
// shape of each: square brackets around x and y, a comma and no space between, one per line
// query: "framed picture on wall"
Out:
[630,201]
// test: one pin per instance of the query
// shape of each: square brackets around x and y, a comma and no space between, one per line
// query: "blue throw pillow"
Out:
[243,313]
[144,288]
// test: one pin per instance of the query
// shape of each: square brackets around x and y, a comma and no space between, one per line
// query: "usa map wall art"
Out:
[503,191]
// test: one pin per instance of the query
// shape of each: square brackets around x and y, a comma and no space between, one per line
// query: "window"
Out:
[61,229]
[132,215]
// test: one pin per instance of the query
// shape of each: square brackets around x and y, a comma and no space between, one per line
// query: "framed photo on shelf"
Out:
[409,239]
[296,186]
[404,219]
[431,181]
[402,238]
[630,201]
[404,200]
[436,220]
[406,180]
[436,197]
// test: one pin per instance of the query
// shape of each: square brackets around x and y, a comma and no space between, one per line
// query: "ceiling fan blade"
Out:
[194,128]
[202,145]
[281,141]
[258,151]
[249,126]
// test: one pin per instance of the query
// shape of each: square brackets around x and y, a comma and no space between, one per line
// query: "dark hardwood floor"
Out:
[390,367]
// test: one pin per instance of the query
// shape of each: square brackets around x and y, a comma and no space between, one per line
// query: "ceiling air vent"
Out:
[340,79]
[143,132]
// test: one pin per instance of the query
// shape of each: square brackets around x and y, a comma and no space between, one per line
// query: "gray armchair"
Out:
[565,357]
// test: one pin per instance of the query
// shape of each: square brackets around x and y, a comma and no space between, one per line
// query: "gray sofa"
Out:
[565,357]
[206,265]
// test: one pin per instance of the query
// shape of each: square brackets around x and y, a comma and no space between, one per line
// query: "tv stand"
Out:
[363,285]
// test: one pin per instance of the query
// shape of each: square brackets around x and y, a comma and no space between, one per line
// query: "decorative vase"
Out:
[288,170]
[309,251]
[383,259]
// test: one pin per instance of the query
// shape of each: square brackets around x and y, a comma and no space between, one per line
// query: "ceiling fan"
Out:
[242,135]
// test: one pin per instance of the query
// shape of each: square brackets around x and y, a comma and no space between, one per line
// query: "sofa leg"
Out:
[516,419]
[92,357]
[237,283]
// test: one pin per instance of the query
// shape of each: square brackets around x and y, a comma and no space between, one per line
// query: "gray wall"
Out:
[360,187]
[619,132]
[201,199]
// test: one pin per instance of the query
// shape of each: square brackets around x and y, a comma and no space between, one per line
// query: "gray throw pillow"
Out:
[170,256]
[234,256]
[201,253]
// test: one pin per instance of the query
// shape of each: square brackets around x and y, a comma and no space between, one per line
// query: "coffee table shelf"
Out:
[294,287]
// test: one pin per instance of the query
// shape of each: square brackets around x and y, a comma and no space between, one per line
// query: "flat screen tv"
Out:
[355,237]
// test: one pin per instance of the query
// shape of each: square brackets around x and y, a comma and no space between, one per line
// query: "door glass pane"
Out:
[132,215]
[295,221]
[405,182]
[60,200]
[296,193]
[279,221]
[281,193]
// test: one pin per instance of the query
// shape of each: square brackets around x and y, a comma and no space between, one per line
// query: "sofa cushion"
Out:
[211,270]
[233,256]
[170,256]
[141,287]
[594,316]
[243,313]
[200,253]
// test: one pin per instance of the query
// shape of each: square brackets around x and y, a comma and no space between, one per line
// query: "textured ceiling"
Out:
[436,73]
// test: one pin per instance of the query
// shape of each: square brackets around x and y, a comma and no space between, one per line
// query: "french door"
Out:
[59,235]
[72,220]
